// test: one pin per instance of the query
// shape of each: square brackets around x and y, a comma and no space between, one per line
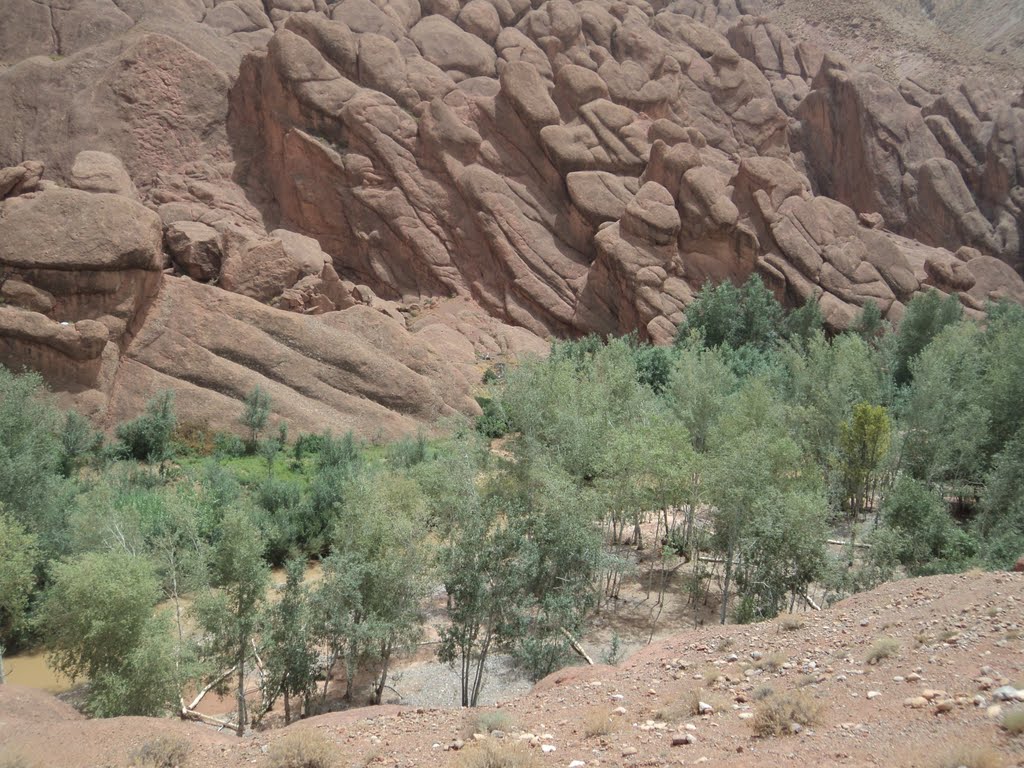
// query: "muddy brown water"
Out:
[30,668]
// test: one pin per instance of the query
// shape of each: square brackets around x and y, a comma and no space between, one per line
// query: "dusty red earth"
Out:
[959,641]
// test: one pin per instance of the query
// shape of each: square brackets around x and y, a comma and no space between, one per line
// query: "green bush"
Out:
[148,437]
[493,422]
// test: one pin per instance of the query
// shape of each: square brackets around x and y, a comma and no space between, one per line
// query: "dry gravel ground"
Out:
[959,639]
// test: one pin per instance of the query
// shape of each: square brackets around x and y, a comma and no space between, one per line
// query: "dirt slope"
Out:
[959,640]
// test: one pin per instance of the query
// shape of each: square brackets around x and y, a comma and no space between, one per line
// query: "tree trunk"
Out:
[287,707]
[241,691]
[725,583]
[385,656]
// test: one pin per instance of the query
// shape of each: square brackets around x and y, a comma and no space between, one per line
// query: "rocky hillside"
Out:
[950,671]
[359,205]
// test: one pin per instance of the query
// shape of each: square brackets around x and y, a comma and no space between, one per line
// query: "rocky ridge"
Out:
[954,670]
[357,204]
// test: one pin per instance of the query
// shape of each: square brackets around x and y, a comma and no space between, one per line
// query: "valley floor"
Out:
[958,637]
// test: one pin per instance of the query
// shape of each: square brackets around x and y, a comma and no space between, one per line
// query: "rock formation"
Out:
[354,204]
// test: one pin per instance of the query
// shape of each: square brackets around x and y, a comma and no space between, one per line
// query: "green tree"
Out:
[291,659]
[147,681]
[925,317]
[380,530]
[19,557]
[754,469]
[1000,523]
[475,563]
[783,553]
[700,385]
[31,488]
[255,414]
[929,541]
[336,607]
[943,413]
[94,612]
[863,442]
[148,437]
[869,324]
[736,317]
[229,613]
[77,439]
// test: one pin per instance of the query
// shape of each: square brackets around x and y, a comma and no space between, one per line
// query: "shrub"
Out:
[487,722]
[303,749]
[148,437]
[970,757]
[228,445]
[161,752]
[777,715]
[791,624]
[762,692]
[1013,722]
[772,662]
[492,753]
[687,706]
[882,649]
[597,722]
[493,422]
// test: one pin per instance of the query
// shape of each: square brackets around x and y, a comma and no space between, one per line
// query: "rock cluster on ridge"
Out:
[313,177]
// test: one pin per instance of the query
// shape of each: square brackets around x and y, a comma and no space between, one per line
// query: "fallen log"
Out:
[575,645]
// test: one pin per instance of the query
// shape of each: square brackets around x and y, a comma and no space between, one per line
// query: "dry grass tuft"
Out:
[762,692]
[970,757]
[688,706]
[491,753]
[597,722]
[161,752]
[1013,722]
[771,663]
[303,749]
[488,722]
[791,624]
[777,715]
[883,648]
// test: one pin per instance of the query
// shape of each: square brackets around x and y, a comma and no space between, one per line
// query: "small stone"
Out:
[756,655]
[913,677]
[458,744]
[1007,693]
[874,694]
[629,751]
[915,702]
[704,708]
[547,748]
[993,711]
[746,715]
[944,706]
[577,764]
[682,739]
[619,711]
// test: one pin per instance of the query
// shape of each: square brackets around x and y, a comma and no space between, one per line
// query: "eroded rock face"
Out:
[352,168]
